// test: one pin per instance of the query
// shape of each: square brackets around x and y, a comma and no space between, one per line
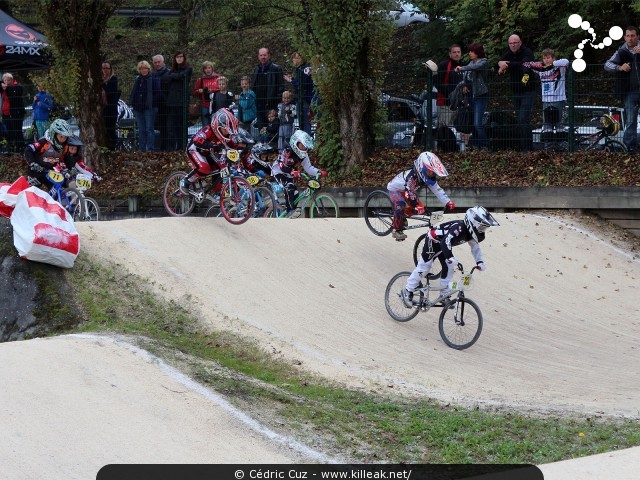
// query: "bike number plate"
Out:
[224,173]
[233,155]
[55,177]
[253,180]
[464,283]
[436,217]
[314,184]
[83,181]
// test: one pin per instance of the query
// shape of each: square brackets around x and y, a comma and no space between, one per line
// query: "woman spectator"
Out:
[178,101]
[205,86]
[110,98]
[304,89]
[13,111]
[144,101]
[477,81]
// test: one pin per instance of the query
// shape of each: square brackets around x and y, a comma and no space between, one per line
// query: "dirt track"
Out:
[561,318]
[561,334]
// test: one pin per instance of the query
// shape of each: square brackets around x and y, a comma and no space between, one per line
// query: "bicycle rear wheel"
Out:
[436,268]
[393,300]
[324,206]
[460,323]
[91,211]
[176,202]
[615,146]
[237,200]
[264,203]
[378,213]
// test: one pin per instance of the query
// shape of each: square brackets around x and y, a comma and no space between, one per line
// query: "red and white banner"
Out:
[43,231]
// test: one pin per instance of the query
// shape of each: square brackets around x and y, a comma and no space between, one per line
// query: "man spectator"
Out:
[523,87]
[268,85]
[13,111]
[161,71]
[445,81]
[625,64]
[304,90]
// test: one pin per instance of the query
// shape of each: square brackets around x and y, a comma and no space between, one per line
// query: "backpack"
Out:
[445,139]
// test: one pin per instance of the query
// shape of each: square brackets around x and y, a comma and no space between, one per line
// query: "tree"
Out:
[347,41]
[74,29]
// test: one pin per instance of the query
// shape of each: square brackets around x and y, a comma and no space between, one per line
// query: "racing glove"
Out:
[481,266]
[322,173]
[419,209]
[450,206]
[452,262]
[295,173]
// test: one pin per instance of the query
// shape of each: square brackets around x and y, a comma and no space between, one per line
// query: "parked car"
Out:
[406,119]
[404,14]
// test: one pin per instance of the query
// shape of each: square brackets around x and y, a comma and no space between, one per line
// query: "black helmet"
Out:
[74,142]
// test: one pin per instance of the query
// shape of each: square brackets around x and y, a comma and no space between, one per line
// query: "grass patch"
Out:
[361,426]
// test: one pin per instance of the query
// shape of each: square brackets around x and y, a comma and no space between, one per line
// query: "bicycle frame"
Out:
[457,286]
[304,198]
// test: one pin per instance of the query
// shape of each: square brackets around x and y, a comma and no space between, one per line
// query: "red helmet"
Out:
[224,125]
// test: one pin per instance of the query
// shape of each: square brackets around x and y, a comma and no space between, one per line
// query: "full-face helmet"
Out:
[60,127]
[428,167]
[224,125]
[301,142]
[610,125]
[478,220]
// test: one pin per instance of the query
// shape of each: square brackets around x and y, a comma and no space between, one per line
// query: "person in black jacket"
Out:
[268,84]
[625,64]
[178,101]
[110,98]
[523,87]
[445,81]
[162,72]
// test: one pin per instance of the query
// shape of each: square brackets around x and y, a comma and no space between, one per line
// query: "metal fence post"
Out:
[428,124]
[570,117]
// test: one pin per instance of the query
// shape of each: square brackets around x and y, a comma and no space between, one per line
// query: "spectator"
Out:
[445,81]
[304,90]
[246,103]
[523,88]
[13,112]
[110,98]
[205,86]
[144,101]
[553,77]
[223,98]
[626,66]
[162,72]
[286,115]
[178,102]
[477,81]
[269,132]
[42,108]
[268,85]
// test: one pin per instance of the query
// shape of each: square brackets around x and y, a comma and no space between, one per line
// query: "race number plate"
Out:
[314,184]
[224,173]
[464,283]
[253,180]
[83,181]
[437,217]
[55,177]
[233,155]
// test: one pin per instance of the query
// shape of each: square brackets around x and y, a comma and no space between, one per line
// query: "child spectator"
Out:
[269,133]
[42,108]
[223,98]
[553,76]
[205,86]
[286,115]
[247,109]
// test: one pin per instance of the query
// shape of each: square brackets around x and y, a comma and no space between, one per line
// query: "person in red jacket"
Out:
[205,86]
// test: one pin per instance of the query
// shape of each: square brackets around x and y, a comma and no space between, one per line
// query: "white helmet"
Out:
[478,220]
[428,162]
[300,136]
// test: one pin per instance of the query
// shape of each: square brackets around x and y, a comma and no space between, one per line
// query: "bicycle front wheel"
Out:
[324,206]
[176,202]
[460,323]
[615,146]
[265,202]
[436,267]
[237,200]
[378,213]
[91,211]
[72,200]
[393,299]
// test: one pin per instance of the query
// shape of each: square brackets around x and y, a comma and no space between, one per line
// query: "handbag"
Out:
[194,110]
[464,120]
